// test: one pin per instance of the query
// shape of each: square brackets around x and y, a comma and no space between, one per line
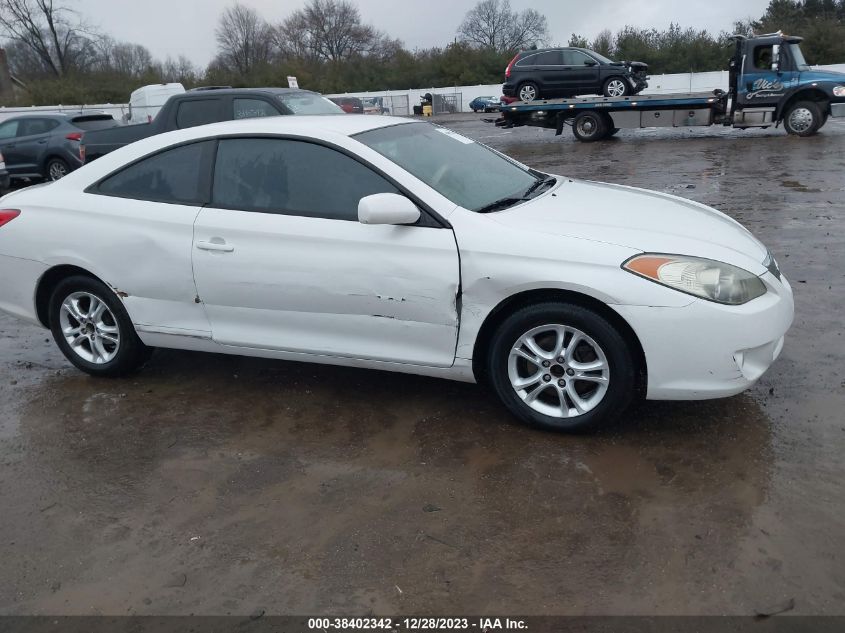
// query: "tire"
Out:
[553,406]
[56,169]
[528,91]
[475,111]
[616,87]
[802,118]
[108,344]
[590,126]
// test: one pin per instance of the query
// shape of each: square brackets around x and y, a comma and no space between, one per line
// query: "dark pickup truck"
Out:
[202,106]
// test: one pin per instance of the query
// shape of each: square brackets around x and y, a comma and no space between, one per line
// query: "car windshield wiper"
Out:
[500,204]
[548,180]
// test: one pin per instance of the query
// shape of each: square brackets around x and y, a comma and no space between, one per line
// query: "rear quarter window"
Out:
[197,112]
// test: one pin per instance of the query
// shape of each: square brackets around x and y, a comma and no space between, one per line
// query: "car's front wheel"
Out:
[93,329]
[562,367]
[616,87]
[803,118]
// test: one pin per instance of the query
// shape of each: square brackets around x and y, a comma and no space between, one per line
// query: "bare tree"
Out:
[603,44]
[244,39]
[123,58]
[50,31]
[330,30]
[179,70]
[493,24]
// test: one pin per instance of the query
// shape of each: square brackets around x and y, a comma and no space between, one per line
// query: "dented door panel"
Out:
[331,287]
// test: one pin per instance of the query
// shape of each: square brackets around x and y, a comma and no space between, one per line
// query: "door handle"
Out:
[221,247]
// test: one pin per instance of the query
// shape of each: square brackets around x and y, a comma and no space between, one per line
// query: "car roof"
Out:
[343,124]
[59,116]
[231,91]
[555,48]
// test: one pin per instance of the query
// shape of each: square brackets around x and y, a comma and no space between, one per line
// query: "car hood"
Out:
[642,220]
[823,75]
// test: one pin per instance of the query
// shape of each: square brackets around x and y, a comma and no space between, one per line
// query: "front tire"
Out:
[562,367]
[616,87]
[93,329]
[803,118]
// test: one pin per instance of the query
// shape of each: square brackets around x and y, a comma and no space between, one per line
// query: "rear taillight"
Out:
[7,215]
[508,69]
[74,136]
[82,152]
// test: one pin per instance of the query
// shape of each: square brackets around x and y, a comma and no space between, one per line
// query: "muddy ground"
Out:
[214,484]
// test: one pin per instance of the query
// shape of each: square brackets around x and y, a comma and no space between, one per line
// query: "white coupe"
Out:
[391,244]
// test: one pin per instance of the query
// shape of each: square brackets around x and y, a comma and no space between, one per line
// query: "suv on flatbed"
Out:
[566,72]
[209,105]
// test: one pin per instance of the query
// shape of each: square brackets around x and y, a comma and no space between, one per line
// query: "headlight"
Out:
[705,278]
[839,91]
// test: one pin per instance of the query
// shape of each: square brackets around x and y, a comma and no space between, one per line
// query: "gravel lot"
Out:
[215,484]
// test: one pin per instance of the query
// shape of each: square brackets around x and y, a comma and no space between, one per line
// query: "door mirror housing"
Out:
[387,208]
[591,62]
[776,58]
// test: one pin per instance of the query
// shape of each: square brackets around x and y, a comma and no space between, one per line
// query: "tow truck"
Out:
[769,83]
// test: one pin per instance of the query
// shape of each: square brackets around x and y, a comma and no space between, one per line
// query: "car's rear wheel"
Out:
[562,367]
[57,169]
[590,126]
[93,329]
[528,91]
[616,87]
[803,118]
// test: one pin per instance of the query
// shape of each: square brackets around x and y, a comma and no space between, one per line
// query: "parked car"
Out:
[5,181]
[47,145]
[567,72]
[485,104]
[212,104]
[398,245]
[350,105]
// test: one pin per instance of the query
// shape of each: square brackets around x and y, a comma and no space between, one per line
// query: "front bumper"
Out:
[709,350]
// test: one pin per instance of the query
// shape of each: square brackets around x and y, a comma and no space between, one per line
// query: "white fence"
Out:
[657,84]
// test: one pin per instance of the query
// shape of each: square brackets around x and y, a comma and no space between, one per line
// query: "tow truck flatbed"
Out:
[769,83]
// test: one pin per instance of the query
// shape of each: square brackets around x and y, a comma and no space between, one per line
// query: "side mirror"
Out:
[776,58]
[387,208]
[591,62]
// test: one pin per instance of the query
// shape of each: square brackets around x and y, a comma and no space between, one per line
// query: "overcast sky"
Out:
[174,27]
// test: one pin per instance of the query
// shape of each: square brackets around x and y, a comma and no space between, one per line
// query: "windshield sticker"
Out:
[455,135]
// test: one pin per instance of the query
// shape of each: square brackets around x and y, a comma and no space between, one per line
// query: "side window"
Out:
[528,60]
[575,58]
[32,127]
[9,129]
[291,178]
[175,176]
[253,109]
[763,57]
[549,58]
[197,112]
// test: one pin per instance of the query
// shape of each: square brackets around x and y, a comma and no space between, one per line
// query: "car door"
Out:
[761,85]
[551,71]
[31,143]
[281,262]
[581,77]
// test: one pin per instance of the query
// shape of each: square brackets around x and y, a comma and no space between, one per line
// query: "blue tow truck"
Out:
[769,84]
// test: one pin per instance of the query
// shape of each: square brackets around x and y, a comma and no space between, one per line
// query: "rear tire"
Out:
[590,126]
[565,388]
[93,329]
[803,118]
[528,91]
[56,169]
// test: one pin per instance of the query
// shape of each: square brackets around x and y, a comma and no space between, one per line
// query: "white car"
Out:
[391,244]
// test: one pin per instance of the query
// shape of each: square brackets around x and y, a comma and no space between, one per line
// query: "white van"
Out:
[146,101]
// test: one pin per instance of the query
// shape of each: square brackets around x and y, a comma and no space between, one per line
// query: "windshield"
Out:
[308,103]
[601,58]
[467,173]
[798,56]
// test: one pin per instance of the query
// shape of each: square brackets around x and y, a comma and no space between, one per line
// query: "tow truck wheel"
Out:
[590,126]
[803,118]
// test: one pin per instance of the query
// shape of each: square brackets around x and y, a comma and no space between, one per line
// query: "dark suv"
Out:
[47,145]
[566,72]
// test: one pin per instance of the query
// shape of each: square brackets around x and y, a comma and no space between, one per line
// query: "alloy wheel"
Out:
[558,370]
[89,327]
[615,88]
[528,93]
[57,170]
